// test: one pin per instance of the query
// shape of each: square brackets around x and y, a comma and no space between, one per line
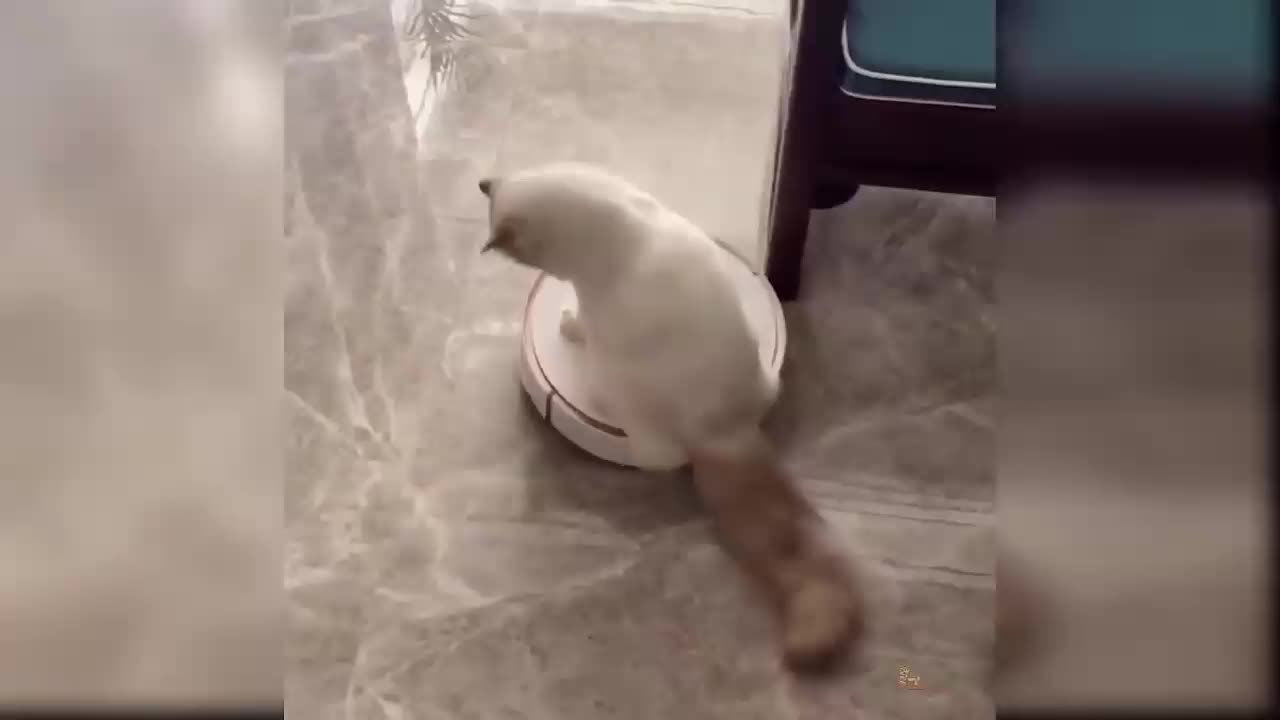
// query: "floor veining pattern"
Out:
[447,555]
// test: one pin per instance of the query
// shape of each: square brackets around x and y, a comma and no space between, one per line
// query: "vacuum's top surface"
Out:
[552,373]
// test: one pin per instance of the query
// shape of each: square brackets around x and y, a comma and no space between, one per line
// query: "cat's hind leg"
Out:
[650,447]
[654,451]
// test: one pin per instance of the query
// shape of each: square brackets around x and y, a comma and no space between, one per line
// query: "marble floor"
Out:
[448,556]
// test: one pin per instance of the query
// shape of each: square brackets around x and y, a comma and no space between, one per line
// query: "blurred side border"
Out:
[1162,141]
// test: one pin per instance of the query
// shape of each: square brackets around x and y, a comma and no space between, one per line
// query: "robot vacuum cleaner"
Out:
[550,364]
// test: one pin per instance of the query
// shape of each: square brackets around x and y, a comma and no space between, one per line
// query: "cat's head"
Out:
[562,218]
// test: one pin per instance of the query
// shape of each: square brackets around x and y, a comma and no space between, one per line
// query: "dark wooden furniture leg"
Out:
[828,194]
[816,70]
[789,225]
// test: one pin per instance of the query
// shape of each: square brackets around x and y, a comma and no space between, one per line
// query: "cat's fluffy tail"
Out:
[782,542]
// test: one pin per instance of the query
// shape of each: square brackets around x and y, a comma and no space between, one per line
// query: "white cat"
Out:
[674,360]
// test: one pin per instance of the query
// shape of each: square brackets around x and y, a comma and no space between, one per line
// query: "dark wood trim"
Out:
[1201,141]
[816,68]
[832,140]
[829,139]
[944,148]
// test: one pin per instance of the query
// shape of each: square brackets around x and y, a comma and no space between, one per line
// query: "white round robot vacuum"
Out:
[550,364]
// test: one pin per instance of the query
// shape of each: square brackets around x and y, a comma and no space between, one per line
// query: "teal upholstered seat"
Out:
[923,50]
[945,50]
[1197,51]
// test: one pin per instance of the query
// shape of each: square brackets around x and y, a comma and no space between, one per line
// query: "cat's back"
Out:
[682,276]
[686,341]
[677,307]
[676,287]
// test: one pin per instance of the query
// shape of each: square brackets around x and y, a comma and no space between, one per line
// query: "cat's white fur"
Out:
[674,360]
[669,347]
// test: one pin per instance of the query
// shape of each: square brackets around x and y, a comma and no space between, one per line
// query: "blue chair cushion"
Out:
[1201,51]
[1186,51]
[922,50]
